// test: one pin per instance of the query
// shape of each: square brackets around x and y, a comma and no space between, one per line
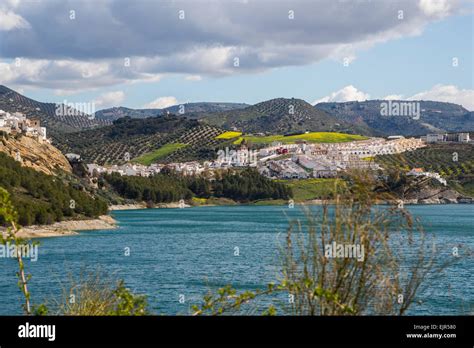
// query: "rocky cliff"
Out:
[32,153]
[430,191]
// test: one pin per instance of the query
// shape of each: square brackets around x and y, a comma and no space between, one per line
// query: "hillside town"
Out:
[17,123]
[301,160]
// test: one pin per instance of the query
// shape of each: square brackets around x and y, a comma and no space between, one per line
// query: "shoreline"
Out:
[107,222]
[67,228]
[142,205]
[409,202]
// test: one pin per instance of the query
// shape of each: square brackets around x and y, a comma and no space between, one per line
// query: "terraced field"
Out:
[144,140]
[202,142]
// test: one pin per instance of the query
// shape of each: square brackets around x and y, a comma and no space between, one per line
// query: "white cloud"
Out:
[448,93]
[435,8]
[348,93]
[193,78]
[199,46]
[393,97]
[109,99]
[162,102]
[10,20]
[68,77]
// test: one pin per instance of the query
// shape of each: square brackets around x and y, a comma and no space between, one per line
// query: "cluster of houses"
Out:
[301,160]
[132,169]
[17,123]
[419,172]
[447,137]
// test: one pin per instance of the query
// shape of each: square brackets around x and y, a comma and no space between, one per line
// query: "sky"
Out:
[153,54]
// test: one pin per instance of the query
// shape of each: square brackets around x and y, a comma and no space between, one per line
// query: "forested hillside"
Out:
[44,199]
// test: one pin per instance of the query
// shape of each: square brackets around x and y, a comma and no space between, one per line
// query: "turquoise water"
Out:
[176,252]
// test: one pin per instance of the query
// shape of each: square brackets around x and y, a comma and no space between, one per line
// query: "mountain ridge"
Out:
[434,117]
[189,109]
[273,116]
[281,116]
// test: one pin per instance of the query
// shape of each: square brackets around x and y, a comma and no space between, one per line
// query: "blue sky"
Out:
[417,62]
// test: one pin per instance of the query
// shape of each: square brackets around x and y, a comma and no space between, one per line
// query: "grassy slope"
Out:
[150,157]
[307,189]
[313,137]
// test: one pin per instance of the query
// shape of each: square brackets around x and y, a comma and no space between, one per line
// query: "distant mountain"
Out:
[281,116]
[12,101]
[434,117]
[115,113]
[190,110]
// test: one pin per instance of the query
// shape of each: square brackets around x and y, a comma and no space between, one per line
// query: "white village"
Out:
[301,160]
[17,123]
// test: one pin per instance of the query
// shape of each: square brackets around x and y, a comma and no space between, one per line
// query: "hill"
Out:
[454,162]
[434,117]
[115,113]
[140,139]
[281,116]
[190,110]
[70,121]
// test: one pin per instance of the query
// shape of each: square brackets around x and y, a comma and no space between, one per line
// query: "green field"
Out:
[313,137]
[150,157]
[307,189]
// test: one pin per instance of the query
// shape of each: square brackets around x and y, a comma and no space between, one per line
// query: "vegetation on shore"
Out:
[309,189]
[243,186]
[95,293]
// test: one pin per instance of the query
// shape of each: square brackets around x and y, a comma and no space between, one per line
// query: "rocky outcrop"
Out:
[434,194]
[30,152]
